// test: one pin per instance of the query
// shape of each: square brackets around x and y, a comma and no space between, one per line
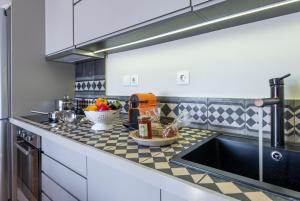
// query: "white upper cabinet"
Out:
[196,2]
[59,25]
[199,4]
[97,18]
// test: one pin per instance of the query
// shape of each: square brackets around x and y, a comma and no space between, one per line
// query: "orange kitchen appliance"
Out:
[138,104]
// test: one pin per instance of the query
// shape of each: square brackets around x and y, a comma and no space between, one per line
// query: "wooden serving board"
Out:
[154,142]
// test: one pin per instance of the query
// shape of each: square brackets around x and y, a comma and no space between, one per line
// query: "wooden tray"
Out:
[154,142]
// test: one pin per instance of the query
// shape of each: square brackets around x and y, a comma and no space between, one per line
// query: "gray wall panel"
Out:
[35,82]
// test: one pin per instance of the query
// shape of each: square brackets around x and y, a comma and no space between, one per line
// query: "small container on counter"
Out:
[145,129]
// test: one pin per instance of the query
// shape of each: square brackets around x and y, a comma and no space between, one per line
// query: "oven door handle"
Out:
[24,151]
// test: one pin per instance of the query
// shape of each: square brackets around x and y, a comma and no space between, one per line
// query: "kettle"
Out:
[64,104]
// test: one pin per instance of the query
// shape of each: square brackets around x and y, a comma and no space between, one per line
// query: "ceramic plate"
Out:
[154,142]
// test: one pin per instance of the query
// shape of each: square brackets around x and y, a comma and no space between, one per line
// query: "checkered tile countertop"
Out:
[117,142]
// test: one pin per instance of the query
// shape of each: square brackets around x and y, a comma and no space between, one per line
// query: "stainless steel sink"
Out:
[236,158]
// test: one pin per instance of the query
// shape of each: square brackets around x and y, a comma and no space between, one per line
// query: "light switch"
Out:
[126,80]
[134,80]
[183,77]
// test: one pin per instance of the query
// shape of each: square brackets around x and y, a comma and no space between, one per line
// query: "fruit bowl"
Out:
[103,120]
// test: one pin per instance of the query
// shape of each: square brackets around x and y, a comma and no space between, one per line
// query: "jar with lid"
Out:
[145,129]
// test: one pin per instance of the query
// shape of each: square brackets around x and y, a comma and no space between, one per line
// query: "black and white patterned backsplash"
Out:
[238,116]
[90,85]
[297,121]
[90,79]
[198,111]
[226,113]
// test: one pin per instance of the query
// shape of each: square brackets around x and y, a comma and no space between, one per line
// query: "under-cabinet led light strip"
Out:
[201,25]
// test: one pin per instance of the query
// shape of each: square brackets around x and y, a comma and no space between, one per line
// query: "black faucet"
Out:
[277,110]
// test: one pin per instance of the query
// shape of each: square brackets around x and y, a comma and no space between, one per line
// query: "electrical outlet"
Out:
[134,80]
[183,77]
[126,80]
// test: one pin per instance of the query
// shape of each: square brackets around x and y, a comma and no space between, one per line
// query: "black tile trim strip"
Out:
[228,127]
[226,103]
[255,131]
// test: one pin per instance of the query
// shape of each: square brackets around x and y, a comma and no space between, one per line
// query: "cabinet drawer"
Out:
[67,157]
[166,196]
[113,185]
[66,178]
[54,191]
[45,198]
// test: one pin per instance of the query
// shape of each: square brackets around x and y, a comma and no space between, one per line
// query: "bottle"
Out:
[145,128]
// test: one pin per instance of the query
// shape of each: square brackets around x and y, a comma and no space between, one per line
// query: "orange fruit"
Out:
[91,108]
[101,101]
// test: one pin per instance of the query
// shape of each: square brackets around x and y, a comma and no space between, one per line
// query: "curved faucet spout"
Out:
[266,102]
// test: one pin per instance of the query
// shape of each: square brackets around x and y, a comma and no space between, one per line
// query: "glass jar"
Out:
[145,129]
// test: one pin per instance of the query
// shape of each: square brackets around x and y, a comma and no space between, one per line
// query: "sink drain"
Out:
[276,156]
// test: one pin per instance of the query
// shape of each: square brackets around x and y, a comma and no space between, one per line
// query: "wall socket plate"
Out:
[126,80]
[183,77]
[134,80]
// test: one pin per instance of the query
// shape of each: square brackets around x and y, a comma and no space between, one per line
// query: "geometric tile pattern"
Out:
[226,116]
[82,103]
[289,123]
[252,119]
[238,116]
[198,111]
[169,110]
[117,142]
[91,85]
[90,79]
[297,121]
[125,107]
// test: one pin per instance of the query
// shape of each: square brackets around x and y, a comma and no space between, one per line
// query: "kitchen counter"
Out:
[117,149]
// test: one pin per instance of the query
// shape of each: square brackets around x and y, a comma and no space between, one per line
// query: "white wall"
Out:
[4,2]
[36,83]
[235,62]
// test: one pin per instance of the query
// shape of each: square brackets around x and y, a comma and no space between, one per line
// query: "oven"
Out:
[28,166]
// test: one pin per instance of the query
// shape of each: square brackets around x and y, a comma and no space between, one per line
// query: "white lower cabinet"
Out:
[166,196]
[45,197]
[108,184]
[69,158]
[67,179]
[54,192]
